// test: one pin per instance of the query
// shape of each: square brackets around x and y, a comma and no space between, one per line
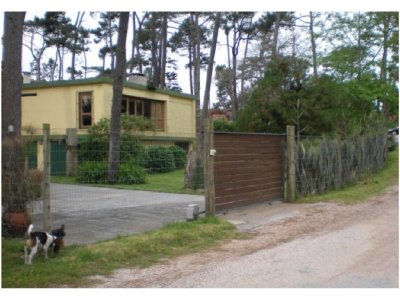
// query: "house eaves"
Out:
[102,80]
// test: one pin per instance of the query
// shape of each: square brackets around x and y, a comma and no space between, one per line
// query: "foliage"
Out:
[179,156]
[95,146]
[96,173]
[19,187]
[92,172]
[223,125]
[316,106]
[159,160]
[391,143]
[130,173]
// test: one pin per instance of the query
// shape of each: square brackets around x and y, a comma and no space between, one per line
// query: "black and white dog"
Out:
[40,239]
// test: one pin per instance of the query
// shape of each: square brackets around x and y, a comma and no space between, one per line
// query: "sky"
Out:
[174,5]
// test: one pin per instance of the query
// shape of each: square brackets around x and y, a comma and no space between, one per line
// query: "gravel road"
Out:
[310,245]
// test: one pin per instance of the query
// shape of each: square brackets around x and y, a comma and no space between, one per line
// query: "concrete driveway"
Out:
[92,214]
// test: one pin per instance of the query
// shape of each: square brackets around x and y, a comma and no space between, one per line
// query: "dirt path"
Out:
[321,245]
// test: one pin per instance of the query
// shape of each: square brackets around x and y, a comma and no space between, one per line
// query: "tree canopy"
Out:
[322,71]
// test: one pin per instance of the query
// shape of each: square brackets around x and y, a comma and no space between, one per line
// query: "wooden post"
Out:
[46,178]
[211,186]
[71,159]
[209,167]
[291,163]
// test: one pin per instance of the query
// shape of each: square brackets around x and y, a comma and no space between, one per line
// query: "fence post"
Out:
[209,167]
[72,142]
[46,178]
[291,163]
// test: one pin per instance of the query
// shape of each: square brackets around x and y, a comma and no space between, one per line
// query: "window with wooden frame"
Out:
[85,110]
[150,109]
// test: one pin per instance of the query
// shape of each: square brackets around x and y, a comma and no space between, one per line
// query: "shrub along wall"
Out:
[326,164]
[135,160]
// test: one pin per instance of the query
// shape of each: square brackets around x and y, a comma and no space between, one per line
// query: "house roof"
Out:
[102,80]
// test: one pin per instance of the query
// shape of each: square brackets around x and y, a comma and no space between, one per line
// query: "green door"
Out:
[58,158]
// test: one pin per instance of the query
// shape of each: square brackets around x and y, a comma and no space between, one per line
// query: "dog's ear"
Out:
[62,227]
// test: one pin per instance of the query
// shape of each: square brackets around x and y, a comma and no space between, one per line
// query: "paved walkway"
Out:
[91,214]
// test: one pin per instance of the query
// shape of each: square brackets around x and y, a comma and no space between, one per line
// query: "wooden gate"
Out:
[248,169]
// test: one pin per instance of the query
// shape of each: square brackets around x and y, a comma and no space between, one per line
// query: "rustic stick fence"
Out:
[330,163]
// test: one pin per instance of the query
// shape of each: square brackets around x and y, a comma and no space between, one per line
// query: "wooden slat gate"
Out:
[248,169]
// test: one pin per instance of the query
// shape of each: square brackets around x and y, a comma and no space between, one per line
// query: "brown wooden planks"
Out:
[247,169]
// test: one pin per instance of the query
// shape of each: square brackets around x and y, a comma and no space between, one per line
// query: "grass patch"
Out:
[171,182]
[75,263]
[369,186]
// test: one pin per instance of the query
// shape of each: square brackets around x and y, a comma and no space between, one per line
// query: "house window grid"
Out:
[85,110]
[151,109]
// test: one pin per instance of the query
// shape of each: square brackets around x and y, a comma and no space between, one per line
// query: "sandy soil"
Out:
[309,245]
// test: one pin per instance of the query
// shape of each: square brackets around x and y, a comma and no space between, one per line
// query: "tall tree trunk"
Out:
[383,72]
[60,67]
[163,46]
[78,24]
[85,59]
[194,164]
[242,77]
[313,46]
[278,17]
[154,48]
[210,67]
[235,52]
[134,37]
[190,67]
[110,42]
[196,71]
[228,48]
[11,75]
[119,75]
[137,42]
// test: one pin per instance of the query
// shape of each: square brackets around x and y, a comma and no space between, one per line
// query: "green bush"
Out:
[159,160]
[93,172]
[391,144]
[130,173]
[132,150]
[95,148]
[179,156]
[96,172]
[223,125]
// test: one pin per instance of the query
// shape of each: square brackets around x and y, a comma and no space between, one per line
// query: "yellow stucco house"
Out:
[78,104]
[81,103]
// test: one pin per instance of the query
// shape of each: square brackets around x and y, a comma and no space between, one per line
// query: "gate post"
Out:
[291,163]
[71,159]
[209,152]
[46,178]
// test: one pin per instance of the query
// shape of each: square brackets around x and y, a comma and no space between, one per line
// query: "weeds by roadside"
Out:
[75,263]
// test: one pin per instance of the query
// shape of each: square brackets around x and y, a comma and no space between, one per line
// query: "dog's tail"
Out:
[30,228]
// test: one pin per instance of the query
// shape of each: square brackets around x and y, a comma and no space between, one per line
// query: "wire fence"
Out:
[157,177]
[330,163]
[153,186]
